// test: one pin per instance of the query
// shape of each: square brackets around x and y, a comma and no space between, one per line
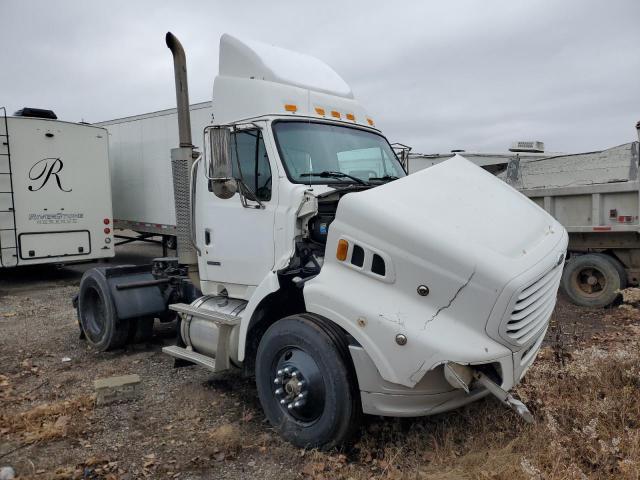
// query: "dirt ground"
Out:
[187,423]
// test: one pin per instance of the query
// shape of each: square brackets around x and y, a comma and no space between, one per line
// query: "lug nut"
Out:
[283,401]
[279,373]
[290,406]
[277,381]
[300,384]
[279,391]
[287,370]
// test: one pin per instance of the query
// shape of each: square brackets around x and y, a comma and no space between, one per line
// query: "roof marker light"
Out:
[370,121]
[341,252]
[291,108]
[351,116]
[320,111]
[335,114]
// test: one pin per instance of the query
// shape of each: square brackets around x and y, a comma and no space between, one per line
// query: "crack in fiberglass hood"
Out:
[454,228]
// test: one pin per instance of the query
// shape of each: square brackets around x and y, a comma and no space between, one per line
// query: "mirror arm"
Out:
[243,198]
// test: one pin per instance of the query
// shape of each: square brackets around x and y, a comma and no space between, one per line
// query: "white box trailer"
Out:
[140,158]
[55,193]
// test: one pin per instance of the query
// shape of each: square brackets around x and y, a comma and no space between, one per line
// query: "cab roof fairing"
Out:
[256,79]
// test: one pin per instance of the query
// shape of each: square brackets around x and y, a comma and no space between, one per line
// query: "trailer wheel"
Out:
[97,313]
[593,280]
[305,383]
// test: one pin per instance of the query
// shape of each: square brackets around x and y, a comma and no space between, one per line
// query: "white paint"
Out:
[140,158]
[457,229]
[60,192]
[251,59]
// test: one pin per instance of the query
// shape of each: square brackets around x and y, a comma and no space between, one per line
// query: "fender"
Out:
[268,285]
[135,292]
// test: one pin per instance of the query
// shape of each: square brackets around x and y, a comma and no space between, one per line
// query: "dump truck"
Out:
[55,193]
[596,197]
[309,259]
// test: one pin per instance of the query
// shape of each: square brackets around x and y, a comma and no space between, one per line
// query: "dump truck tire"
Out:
[97,313]
[593,280]
[302,359]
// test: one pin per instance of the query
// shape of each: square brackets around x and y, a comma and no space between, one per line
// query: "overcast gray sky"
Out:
[434,75]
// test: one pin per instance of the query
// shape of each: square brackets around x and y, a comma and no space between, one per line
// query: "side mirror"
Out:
[219,166]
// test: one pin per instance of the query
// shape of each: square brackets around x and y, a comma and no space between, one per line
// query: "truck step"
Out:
[191,356]
[218,318]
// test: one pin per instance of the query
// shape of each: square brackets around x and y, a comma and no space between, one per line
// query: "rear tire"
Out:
[97,313]
[303,357]
[593,280]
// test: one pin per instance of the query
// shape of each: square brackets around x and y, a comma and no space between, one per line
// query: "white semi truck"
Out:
[307,257]
[55,194]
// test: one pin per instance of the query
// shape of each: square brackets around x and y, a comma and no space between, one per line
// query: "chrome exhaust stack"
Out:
[182,160]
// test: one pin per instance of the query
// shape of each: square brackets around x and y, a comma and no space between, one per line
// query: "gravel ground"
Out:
[186,423]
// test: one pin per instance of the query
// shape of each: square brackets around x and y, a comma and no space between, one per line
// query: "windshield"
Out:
[324,153]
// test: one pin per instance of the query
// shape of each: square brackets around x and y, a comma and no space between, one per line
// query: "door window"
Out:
[254,162]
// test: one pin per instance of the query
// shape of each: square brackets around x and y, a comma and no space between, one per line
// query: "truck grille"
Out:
[533,307]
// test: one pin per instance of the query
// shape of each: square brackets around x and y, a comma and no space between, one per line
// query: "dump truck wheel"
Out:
[97,313]
[305,383]
[593,280]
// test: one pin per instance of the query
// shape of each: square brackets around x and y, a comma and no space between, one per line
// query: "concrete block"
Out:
[116,389]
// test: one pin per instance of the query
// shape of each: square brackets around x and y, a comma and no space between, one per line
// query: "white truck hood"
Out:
[453,227]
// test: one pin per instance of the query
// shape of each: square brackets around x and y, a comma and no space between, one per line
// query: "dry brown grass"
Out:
[588,426]
[47,421]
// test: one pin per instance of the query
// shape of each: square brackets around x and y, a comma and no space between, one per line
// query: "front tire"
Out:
[593,280]
[305,382]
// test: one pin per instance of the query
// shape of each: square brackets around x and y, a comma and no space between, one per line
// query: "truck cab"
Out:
[307,257]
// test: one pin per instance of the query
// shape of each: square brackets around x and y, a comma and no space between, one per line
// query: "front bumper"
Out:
[433,394]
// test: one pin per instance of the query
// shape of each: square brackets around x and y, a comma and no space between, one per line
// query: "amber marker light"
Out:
[341,252]
[291,108]
[320,111]
[351,116]
[335,114]
[370,122]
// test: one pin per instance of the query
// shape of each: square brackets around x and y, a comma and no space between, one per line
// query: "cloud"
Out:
[434,75]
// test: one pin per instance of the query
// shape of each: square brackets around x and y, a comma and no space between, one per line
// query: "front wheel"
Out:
[305,384]
[593,280]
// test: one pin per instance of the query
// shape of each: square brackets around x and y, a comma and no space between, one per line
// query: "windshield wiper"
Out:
[329,174]
[385,177]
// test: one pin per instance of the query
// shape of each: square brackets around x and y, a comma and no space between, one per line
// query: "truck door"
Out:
[237,241]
